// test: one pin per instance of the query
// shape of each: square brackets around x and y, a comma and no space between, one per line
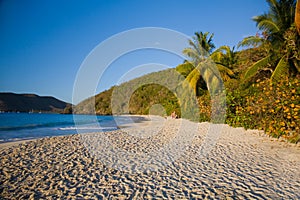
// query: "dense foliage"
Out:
[272,107]
[145,99]
[279,38]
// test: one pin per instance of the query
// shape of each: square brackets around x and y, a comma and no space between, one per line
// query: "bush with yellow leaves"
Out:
[272,107]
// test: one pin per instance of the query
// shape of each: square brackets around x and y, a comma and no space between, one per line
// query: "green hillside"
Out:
[143,93]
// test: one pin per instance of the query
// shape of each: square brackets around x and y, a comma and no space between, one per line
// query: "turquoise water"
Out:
[21,126]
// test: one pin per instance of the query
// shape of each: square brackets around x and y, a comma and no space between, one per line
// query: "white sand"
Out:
[160,159]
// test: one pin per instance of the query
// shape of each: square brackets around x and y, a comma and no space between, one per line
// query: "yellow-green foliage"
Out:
[272,107]
[185,68]
[268,106]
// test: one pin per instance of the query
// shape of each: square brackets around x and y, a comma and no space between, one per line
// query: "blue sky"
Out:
[43,43]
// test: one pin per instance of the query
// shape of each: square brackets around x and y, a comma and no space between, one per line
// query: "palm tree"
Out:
[225,58]
[275,25]
[201,47]
[279,18]
[200,51]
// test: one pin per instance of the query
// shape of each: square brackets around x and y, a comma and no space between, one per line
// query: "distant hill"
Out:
[11,102]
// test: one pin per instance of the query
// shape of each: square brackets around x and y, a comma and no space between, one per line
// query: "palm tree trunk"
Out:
[297,17]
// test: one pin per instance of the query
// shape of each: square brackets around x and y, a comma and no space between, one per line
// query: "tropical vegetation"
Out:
[262,81]
[201,54]
[279,39]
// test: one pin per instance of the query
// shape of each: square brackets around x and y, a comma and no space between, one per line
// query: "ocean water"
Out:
[22,126]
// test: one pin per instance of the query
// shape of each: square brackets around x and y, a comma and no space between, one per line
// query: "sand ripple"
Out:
[240,165]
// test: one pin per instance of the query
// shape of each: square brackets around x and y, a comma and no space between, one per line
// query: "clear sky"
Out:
[43,43]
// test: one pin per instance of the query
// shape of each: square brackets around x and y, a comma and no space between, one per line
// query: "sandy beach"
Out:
[158,159]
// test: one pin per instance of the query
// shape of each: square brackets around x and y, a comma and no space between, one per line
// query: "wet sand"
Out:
[153,160]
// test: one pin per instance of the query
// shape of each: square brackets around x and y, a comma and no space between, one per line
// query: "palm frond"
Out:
[224,69]
[195,47]
[210,71]
[225,72]
[216,56]
[204,42]
[192,53]
[250,41]
[225,48]
[277,20]
[255,67]
[210,43]
[269,25]
[274,7]
[281,69]
[193,78]
[185,68]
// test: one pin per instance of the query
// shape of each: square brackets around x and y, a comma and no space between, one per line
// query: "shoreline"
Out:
[145,120]
[14,143]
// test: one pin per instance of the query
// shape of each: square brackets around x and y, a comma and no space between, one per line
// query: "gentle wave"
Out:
[33,126]
[45,125]
[86,128]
